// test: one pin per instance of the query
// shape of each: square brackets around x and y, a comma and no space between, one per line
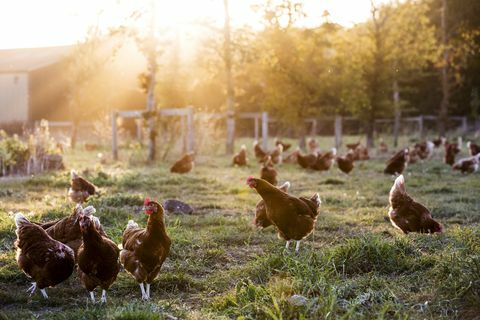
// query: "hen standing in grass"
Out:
[268,172]
[408,215]
[80,188]
[184,164]
[473,148]
[67,230]
[240,159]
[467,165]
[306,161]
[294,218]
[97,257]
[451,150]
[325,161]
[398,162]
[284,145]
[346,163]
[260,154]
[277,154]
[47,261]
[145,249]
[261,220]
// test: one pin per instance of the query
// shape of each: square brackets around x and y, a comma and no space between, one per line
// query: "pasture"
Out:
[354,266]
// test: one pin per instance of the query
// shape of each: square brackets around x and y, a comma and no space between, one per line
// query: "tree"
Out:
[84,68]
[229,80]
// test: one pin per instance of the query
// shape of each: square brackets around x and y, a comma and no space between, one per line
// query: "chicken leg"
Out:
[144,294]
[32,288]
[297,247]
[44,293]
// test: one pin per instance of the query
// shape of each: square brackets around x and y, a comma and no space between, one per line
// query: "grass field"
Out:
[354,266]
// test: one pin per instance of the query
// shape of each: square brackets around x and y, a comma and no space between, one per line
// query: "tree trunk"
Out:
[442,116]
[370,130]
[152,65]
[398,112]
[230,93]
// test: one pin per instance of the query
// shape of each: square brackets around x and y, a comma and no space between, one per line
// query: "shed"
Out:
[32,86]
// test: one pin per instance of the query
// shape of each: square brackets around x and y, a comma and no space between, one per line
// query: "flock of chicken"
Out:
[49,252]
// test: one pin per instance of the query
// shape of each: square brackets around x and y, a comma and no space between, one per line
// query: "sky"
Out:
[41,23]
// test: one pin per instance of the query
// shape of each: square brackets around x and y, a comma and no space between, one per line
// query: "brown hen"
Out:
[408,215]
[294,218]
[145,249]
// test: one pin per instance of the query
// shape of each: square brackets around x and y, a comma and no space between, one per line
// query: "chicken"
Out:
[277,154]
[294,218]
[260,154]
[268,172]
[145,249]
[284,145]
[184,164]
[353,146]
[382,147]
[425,149]
[451,151]
[467,165]
[97,258]
[325,161]
[240,159]
[261,220]
[346,163]
[360,153]
[47,261]
[67,230]
[80,188]
[439,142]
[398,162]
[306,161]
[291,158]
[473,148]
[408,215]
[312,145]
[413,156]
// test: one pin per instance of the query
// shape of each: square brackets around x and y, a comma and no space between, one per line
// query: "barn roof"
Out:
[25,60]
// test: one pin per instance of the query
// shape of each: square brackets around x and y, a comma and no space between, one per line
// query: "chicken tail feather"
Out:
[284,187]
[20,220]
[88,211]
[316,198]
[132,224]
[398,191]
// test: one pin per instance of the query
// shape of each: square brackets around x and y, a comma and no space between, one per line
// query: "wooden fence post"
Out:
[464,125]
[190,132]
[114,136]
[313,133]
[420,127]
[256,127]
[138,123]
[265,130]
[338,131]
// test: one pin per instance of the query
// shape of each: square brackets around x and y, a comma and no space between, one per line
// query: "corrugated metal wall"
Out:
[13,97]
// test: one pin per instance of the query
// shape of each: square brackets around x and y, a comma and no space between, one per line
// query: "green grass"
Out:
[354,266]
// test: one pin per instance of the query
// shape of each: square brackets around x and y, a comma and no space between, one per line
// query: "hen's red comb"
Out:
[147,201]
[250,178]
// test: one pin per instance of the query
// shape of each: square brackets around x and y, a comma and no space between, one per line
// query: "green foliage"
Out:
[13,151]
